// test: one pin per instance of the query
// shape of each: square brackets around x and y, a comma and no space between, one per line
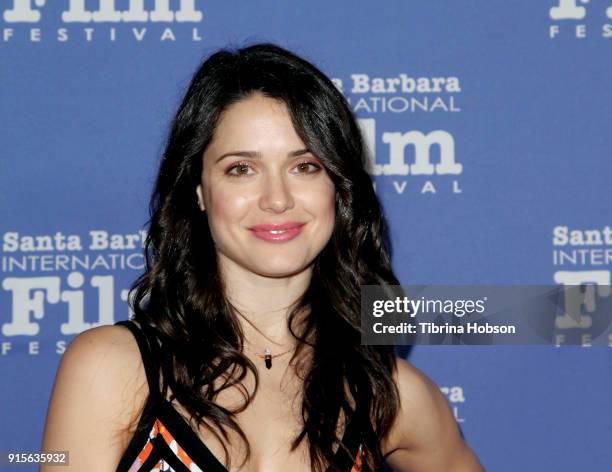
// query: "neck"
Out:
[263,304]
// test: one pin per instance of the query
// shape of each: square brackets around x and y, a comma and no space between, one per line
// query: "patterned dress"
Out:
[164,441]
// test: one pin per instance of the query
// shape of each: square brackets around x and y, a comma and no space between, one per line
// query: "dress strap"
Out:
[150,366]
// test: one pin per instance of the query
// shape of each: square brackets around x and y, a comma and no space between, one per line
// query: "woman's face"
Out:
[257,173]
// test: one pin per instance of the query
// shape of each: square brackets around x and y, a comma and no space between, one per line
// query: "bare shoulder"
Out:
[98,393]
[425,435]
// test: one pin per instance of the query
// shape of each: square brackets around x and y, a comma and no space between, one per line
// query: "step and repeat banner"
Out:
[490,129]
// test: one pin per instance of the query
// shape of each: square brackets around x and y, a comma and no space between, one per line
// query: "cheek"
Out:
[225,207]
[324,204]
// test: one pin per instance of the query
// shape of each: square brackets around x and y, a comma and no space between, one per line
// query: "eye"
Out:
[241,167]
[305,165]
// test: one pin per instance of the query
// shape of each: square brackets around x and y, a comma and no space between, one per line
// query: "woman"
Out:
[244,351]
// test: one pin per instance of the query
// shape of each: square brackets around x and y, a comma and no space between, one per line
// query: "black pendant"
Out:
[268,358]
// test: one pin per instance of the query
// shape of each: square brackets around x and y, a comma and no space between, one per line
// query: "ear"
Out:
[200,198]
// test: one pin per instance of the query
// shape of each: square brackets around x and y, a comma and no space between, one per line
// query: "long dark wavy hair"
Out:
[180,298]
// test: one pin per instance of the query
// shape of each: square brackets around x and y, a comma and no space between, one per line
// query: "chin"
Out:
[282,269]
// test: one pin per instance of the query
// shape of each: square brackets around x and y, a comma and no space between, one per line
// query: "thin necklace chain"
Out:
[268,352]
[267,355]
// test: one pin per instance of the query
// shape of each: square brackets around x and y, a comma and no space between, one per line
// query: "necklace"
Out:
[267,356]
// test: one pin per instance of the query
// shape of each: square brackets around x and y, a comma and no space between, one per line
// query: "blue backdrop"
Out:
[490,127]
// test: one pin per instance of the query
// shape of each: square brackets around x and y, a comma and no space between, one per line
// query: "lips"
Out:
[277,232]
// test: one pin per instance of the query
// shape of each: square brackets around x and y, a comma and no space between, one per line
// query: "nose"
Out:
[276,194]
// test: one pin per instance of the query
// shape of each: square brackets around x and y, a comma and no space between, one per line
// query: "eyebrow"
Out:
[258,155]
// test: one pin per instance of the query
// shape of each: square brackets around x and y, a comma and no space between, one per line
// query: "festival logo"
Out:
[36,21]
[582,258]
[407,159]
[66,283]
[578,19]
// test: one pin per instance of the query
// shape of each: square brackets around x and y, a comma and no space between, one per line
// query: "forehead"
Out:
[255,120]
